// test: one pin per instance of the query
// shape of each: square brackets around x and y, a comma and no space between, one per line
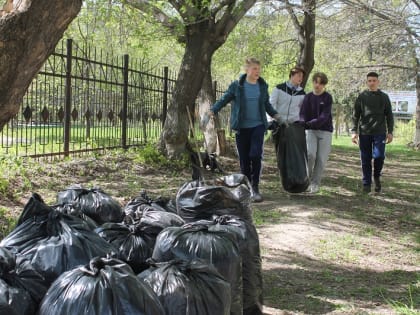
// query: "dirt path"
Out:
[337,252]
[340,252]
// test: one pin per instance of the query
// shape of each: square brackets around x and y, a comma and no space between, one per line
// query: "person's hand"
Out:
[302,123]
[280,120]
[389,138]
[355,138]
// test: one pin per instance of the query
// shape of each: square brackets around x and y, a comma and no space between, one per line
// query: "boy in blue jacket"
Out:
[249,104]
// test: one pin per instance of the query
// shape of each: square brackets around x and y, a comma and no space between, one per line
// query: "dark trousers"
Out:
[250,142]
[371,146]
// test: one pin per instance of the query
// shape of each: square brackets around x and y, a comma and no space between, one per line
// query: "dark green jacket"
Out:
[372,114]
[236,96]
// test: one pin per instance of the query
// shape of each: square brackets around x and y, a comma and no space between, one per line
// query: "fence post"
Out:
[165,94]
[124,124]
[67,101]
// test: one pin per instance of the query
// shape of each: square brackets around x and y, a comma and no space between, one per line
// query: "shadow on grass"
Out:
[302,284]
[396,208]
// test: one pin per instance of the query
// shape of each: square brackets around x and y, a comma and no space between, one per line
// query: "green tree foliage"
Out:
[119,29]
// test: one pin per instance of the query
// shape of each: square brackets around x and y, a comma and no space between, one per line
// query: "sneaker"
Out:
[314,189]
[366,189]
[256,196]
[378,186]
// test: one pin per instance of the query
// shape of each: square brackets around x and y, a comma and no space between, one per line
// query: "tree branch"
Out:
[395,21]
[149,8]
[231,17]
[295,21]
[387,66]
[416,3]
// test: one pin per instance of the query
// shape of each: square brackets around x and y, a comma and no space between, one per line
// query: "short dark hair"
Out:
[295,70]
[372,74]
[323,79]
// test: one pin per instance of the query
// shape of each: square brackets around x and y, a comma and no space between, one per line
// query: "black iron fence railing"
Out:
[84,100]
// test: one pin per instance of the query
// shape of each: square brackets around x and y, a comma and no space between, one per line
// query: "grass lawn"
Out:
[337,252]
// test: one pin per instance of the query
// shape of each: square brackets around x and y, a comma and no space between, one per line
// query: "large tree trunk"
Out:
[306,57]
[206,99]
[199,50]
[417,132]
[29,32]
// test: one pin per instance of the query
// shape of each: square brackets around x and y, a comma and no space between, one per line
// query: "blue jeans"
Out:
[372,146]
[250,142]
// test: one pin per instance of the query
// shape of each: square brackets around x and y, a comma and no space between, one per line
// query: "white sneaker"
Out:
[314,189]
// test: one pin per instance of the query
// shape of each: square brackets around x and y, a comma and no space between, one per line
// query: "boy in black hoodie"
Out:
[373,124]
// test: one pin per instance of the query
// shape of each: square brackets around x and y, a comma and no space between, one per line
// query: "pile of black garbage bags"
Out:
[195,254]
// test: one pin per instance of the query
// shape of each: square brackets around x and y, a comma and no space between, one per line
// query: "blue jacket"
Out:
[236,96]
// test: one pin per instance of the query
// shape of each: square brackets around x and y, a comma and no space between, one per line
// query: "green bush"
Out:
[150,155]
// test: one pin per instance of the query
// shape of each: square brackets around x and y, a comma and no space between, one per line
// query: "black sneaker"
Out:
[256,196]
[366,189]
[378,186]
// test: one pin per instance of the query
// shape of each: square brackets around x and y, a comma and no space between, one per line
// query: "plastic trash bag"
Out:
[240,187]
[142,203]
[20,273]
[153,222]
[249,247]
[103,287]
[198,241]
[94,202]
[132,243]
[21,287]
[189,287]
[198,201]
[53,242]
[74,210]
[292,157]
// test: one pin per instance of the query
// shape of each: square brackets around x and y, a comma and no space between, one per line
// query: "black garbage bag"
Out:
[197,241]
[94,202]
[249,247]
[134,246]
[21,287]
[136,206]
[74,210]
[53,242]
[18,272]
[292,157]
[240,187]
[15,300]
[153,222]
[103,287]
[168,204]
[197,201]
[188,287]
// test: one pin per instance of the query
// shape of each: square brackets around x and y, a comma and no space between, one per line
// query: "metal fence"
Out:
[84,100]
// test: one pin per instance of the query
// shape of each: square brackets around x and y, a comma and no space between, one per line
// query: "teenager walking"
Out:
[249,104]
[287,97]
[317,118]
[373,124]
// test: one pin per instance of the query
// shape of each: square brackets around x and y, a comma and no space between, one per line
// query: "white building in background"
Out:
[403,103]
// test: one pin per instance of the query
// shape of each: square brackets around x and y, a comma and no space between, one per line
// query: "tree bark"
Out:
[306,36]
[29,33]
[417,132]
[199,49]
[206,99]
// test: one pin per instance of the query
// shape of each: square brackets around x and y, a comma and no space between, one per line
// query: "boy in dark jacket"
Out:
[249,104]
[373,124]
